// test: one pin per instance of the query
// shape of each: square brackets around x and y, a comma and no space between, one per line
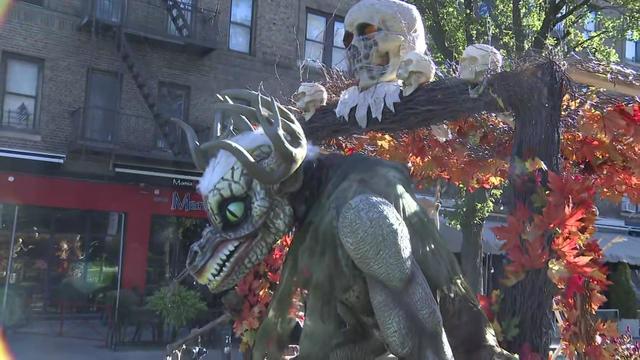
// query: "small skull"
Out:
[416,69]
[309,97]
[477,61]
[378,35]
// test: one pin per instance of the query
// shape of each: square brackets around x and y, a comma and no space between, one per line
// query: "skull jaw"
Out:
[366,80]
[473,75]
[413,81]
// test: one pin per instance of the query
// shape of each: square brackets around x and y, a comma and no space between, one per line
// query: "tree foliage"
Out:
[621,294]
[515,26]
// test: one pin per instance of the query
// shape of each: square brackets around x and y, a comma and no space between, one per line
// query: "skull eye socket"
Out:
[234,211]
[366,29]
[347,38]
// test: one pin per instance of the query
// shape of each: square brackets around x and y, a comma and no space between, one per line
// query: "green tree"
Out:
[515,26]
[621,294]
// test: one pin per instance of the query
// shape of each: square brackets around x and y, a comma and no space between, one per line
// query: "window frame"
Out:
[39,3]
[87,100]
[329,33]
[250,27]
[158,136]
[35,126]
[636,56]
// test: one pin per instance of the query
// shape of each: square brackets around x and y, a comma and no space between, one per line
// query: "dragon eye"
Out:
[234,211]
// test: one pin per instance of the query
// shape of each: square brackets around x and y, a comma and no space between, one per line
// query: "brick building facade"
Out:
[88,185]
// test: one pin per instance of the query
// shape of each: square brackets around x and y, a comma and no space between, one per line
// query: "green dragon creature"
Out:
[377,277]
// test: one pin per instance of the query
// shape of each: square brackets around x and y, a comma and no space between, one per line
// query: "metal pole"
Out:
[9,264]
[119,269]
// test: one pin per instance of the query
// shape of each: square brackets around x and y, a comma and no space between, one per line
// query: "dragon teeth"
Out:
[222,264]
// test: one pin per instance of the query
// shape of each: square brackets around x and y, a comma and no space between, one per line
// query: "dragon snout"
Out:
[197,257]
[200,252]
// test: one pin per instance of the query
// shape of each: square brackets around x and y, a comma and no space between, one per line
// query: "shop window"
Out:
[187,8]
[101,113]
[323,40]
[21,91]
[62,258]
[173,101]
[240,27]
[169,245]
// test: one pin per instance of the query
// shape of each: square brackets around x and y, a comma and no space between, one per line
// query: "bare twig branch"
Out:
[195,333]
[571,11]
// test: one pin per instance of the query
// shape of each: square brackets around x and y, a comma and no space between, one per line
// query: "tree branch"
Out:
[539,40]
[571,11]
[434,103]
[590,38]
[468,20]
[518,31]
[436,30]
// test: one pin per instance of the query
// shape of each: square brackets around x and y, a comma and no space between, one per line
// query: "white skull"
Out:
[309,97]
[416,69]
[378,35]
[478,60]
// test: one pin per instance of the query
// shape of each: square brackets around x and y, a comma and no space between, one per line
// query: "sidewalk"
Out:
[37,347]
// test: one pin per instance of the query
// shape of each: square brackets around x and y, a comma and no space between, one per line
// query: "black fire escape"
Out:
[173,24]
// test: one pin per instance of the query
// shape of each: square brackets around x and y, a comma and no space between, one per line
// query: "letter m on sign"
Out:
[177,204]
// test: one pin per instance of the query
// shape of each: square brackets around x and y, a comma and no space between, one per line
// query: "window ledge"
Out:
[16,134]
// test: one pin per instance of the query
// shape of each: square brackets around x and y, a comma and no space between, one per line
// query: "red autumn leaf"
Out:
[485,305]
[574,285]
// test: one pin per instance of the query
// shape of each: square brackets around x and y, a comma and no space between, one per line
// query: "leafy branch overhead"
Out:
[515,26]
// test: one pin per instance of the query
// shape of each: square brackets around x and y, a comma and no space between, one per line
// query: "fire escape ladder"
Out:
[126,54]
[178,18]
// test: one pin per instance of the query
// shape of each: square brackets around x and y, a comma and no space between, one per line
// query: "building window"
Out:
[590,25]
[103,100]
[109,10]
[632,50]
[173,101]
[186,6]
[323,41]
[21,95]
[627,206]
[240,25]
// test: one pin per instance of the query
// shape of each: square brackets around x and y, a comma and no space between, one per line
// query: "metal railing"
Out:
[115,131]
[151,18]
[18,120]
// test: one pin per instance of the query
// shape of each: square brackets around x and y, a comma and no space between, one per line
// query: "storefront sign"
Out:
[184,202]
[182,183]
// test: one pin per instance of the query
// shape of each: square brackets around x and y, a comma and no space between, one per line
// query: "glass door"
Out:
[11,306]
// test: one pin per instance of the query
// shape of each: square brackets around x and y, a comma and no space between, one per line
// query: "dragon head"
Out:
[242,185]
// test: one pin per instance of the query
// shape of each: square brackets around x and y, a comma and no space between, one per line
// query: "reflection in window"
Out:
[61,256]
[169,246]
[632,50]
[21,92]
[323,40]
[240,25]
[314,46]
[173,102]
[102,112]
